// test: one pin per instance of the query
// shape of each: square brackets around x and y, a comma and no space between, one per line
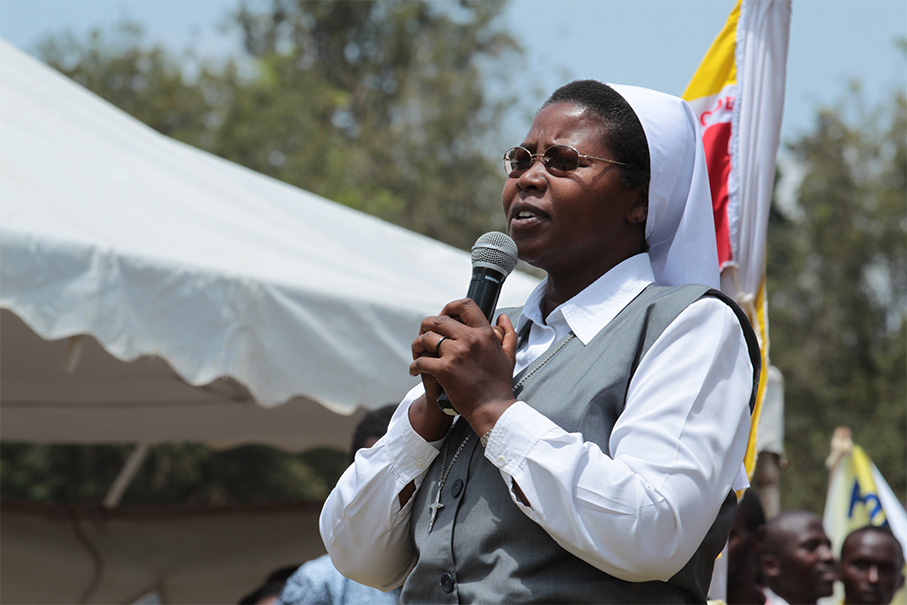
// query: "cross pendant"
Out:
[435,507]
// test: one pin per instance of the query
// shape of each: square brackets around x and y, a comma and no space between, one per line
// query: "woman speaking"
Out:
[602,426]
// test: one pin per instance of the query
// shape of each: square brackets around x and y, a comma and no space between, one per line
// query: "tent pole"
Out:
[126,475]
[74,347]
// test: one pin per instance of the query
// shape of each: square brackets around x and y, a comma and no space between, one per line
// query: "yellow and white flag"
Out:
[858,496]
[738,94]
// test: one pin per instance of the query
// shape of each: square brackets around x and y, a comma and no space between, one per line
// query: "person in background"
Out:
[318,582]
[871,567]
[745,540]
[796,563]
[602,426]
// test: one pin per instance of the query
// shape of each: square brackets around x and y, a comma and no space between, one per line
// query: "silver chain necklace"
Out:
[436,505]
[563,343]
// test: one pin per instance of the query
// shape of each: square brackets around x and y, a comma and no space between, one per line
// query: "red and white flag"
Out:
[738,94]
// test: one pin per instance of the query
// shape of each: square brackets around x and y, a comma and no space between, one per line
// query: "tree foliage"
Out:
[147,81]
[837,281]
[177,473]
[401,86]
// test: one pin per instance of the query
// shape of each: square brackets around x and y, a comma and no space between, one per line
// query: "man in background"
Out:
[872,566]
[796,562]
[318,582]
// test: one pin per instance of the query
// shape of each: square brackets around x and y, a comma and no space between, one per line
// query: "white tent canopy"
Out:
[181,269]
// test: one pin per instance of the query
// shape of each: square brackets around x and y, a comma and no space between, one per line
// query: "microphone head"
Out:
[496,251]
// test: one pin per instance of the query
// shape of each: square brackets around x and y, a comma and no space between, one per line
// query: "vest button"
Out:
[447,582]
[457,488]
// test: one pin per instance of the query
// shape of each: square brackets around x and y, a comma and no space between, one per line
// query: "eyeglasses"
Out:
[559,160]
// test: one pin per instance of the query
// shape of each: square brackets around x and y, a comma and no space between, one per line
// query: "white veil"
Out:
[680,228]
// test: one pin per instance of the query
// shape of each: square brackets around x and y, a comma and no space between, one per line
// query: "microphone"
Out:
[494,256]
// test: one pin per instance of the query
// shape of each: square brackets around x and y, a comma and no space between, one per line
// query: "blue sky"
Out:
[654,43]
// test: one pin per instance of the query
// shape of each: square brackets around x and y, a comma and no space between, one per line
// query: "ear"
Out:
[639,211]
[769,566]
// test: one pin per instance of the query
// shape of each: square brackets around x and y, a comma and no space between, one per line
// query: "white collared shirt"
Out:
[639,514]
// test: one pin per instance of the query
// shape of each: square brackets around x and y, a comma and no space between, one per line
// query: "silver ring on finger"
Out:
[438,346]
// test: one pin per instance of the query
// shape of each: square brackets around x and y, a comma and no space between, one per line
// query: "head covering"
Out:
[680,228]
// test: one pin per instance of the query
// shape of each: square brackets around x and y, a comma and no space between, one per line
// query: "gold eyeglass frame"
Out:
[541,157]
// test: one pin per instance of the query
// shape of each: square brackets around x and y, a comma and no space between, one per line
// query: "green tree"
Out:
[837,281]
[147,81]
[175,473]
[381,106]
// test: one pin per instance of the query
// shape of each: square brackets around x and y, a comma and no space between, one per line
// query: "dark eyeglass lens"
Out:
[558,158]
[561,158]
[518,159]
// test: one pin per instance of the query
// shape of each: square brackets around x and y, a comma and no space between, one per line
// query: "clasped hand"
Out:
[474,363]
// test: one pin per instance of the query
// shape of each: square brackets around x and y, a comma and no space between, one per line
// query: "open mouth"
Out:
[527,214]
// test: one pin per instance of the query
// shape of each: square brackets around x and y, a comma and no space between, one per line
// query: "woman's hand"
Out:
[474,362]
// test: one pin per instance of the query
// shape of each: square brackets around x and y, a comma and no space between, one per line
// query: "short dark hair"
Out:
[272,586]
[373,424]
[269,589]
[878,529]
[621,131]
[753,513]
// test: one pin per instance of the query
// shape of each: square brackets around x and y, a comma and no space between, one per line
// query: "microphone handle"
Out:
[484,289]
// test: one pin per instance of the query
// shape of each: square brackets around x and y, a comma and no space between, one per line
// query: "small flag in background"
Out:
[858,496]
[738,94]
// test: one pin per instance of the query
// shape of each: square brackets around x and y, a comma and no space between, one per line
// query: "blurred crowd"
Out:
[788,559]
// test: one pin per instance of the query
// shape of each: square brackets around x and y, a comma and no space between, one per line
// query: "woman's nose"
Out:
[536,177]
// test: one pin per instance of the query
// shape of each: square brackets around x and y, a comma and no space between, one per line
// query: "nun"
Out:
[602,426]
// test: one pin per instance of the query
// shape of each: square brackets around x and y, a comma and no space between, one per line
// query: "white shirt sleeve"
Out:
[364,529]
[676,449]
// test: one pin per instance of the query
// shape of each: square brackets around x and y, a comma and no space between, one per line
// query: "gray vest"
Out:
[483,549]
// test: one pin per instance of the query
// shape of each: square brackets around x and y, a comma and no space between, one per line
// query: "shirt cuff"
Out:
[514,435]
[409,453]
